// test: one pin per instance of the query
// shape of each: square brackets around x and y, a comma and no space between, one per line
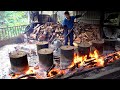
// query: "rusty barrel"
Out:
[46,57]
[99,45]
[41,45]
[84,49]
[19,61]
[67,56]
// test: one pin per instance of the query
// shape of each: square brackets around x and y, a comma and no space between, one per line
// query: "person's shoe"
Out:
[65,44]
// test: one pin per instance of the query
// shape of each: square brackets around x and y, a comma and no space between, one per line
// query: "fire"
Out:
[15,76]
[116,57]
[80,60]
[94,54]
[30,71]
[95,60]
[118,53]
[83,58]
[55,71]
[100,61]
[75,60]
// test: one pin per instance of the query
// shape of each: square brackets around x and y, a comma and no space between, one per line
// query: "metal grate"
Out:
[91,17]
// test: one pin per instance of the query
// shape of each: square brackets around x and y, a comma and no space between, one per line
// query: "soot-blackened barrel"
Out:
[19,61]
[84,49]
[99,45]
[46,57]
[67,56]
[41,45]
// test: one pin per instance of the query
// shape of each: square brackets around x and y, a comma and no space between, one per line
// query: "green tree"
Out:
[13,18]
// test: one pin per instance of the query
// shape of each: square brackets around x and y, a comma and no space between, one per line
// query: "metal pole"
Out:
[29,20]
[41,16]
[101,24]
[53,16]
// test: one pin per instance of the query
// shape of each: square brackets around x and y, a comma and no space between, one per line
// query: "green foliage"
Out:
[10,19]
[13,18]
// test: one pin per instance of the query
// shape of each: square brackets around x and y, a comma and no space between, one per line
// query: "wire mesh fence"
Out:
[6,33]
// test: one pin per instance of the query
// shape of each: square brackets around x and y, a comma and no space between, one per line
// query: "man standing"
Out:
[68,24]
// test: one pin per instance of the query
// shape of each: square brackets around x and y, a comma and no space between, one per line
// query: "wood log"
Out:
[67,55]
[99,45]
[46,57]
[26,75]
[19,62]
[50,68]
[84,49]
[55,77]
[41,45]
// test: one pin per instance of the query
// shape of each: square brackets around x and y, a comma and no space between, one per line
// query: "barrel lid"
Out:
[67,47]
[17,54]
[84,44]
[42,43]
[98,41]
[45,51]
[78,42]
[75,44]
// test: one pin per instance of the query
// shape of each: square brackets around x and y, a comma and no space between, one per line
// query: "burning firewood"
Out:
[56,76]
[27,75]
[111,58]
[89,60]
[55,73]
[50,69]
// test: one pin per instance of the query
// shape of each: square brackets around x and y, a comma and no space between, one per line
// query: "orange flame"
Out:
[81,59]
[78,59]
[30,71]
[118,53]
[100,61]
[55,71]
[94,54]
[16,75]
[116,57]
